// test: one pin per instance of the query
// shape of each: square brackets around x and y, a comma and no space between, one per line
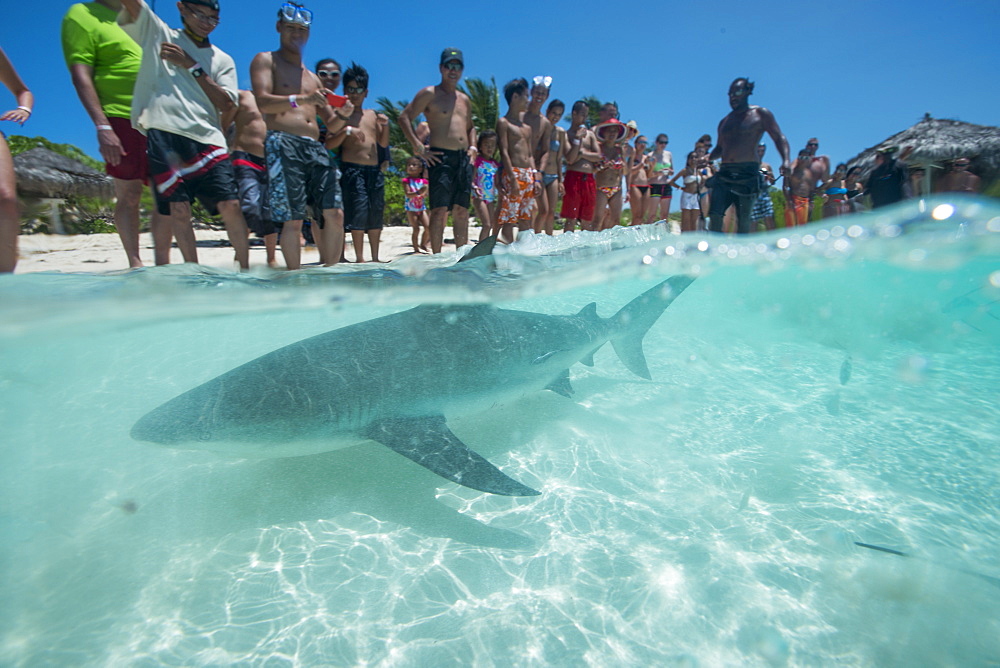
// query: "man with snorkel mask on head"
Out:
[184,84]
[301,174]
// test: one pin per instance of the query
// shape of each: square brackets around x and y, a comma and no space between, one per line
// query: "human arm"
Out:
[780,142]
[590,150]
[382,123]
[221,98]
[673,182]
[25,100]
[503,140]
[132,8]
[406,120]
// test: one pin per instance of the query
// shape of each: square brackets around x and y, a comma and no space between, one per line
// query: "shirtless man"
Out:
[301,176]
[185,84]
[552,179]
[799,189]
[452,145]
[583,154]
[362,181]
[246,151]
[818,166]
[959,179]
[738,179]
[522,182]
[541,131]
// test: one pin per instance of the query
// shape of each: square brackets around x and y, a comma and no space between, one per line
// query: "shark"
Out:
[398,379]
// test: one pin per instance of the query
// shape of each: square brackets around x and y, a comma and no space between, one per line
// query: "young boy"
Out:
[541,132]
[361,182]
[522,182]
[184,83]
[247,156]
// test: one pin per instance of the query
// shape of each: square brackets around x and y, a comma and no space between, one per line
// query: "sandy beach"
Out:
[99,253]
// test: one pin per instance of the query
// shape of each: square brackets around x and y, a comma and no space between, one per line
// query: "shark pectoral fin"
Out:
[561,385]
[588,359]
[428,442]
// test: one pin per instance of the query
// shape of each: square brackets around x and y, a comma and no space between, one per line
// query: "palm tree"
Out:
[484,98]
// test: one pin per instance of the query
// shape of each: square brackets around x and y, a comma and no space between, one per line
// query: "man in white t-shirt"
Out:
[184,83]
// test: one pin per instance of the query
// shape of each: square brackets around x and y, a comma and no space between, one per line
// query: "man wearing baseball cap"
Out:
[452,146]
[184,84]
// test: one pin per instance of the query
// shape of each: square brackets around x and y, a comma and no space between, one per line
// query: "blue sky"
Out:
[851,73]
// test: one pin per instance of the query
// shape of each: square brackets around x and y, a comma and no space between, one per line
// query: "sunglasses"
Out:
[813,144]
[354,90]
[204,18]
[294,14]
[328,73]
[543,81]
[454,66]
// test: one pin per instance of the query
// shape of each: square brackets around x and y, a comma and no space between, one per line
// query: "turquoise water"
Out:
[837,385]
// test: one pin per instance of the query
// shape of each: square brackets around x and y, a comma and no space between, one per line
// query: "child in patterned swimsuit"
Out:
[415,186]
[485,182]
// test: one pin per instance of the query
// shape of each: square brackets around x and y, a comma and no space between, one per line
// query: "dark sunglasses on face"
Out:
[207,20]
[813,144]
[328,73]
[354,90]
[453,65]
[660,141]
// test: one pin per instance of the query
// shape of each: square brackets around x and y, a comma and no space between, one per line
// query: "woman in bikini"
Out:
[552,169]
[693,180]
[835,200]
[661,168]
[608,176]
[640,183]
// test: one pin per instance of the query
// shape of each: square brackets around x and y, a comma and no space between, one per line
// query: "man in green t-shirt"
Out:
[103,62]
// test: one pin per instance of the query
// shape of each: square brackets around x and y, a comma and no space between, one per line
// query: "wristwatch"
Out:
[197,72]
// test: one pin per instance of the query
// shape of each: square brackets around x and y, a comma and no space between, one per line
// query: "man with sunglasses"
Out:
[738,179]
[302,176]
[451,150]
[817,167]
[185,82]
[361,180]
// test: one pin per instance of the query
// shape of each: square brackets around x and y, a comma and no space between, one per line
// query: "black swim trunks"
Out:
[300,177]
[450,179]
[736,183]
[251,179]
[183,170]
[661,190]
[363,188]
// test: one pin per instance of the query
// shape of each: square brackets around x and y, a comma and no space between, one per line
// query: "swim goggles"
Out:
[543,81]
[295,14]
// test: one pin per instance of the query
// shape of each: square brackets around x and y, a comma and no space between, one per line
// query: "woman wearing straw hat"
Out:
[610,170]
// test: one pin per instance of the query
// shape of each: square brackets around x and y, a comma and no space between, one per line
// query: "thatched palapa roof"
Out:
[44,173]
[938,141]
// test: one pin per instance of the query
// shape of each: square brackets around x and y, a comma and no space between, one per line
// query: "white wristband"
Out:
[23,108]
[103,127]
[348,130]
[292,101]
[576,142]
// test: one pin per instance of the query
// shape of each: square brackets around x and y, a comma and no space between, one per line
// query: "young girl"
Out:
[415,188]
[640,182]
[690,206]
[485,193]
[611,168]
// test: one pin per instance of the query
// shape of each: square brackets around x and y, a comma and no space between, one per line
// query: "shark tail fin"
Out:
[635,318]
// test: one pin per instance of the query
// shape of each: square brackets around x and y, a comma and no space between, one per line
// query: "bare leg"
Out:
[375,240]
[271,249]
[317,233]
[128,194]
[541,211]
[552,197]
[600,212]
[180,222]
[161,228]
[10,215]
[460,220]
[439,216]
[358,239]
[236,230]
[653,208]
[615,209]
[485,215]
[291,243]
[665,207]
[333,235]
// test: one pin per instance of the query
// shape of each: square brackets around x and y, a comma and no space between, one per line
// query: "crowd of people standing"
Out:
[292,153]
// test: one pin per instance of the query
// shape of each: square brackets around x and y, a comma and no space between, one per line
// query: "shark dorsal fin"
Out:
[589,312]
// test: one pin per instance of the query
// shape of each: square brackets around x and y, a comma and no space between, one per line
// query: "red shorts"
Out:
[581,196]
[134,165]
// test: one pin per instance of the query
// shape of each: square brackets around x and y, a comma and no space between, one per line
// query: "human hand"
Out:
[357,135]
[111,147]
[18,115]
[346,111]
[472,152]
[429,156]
[581,133]
[382,121]
[175,55]
[562,189]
